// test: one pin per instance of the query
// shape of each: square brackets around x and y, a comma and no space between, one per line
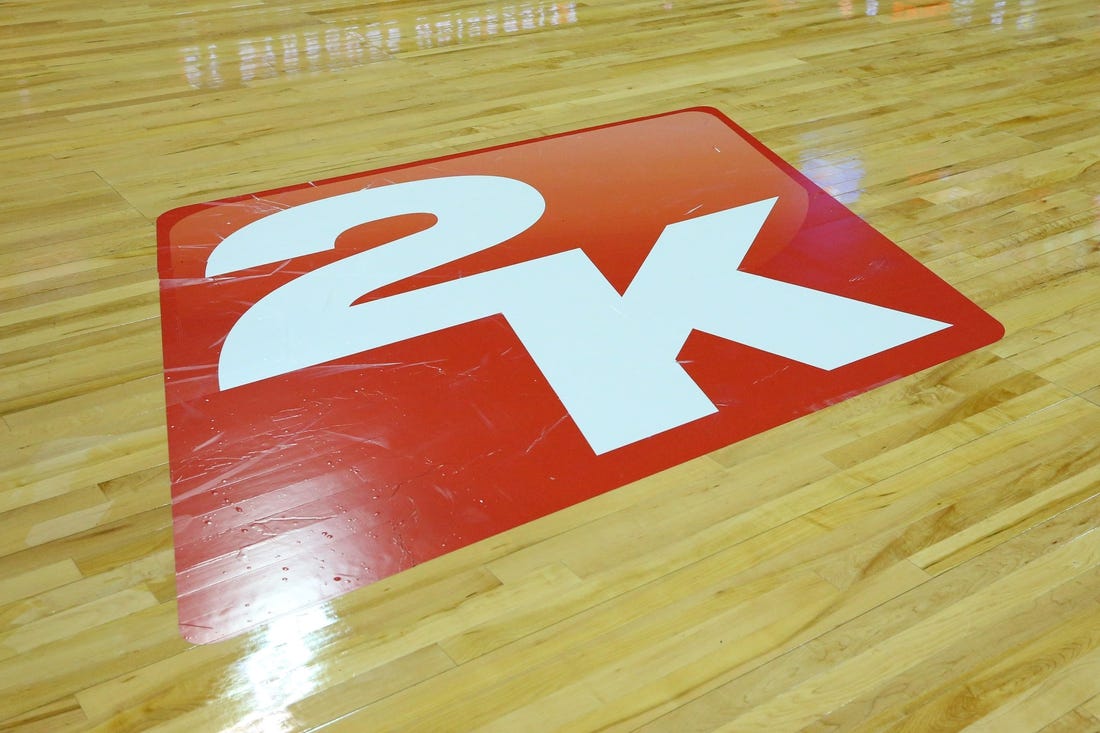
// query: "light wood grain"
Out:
[922,557]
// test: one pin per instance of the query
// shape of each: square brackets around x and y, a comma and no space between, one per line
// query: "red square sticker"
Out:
[367,372]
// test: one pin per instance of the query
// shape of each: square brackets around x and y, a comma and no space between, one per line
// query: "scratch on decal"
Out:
[356,438]
[289,415]
[210,441]
[484,418]
[277,204]
[293,519]
[430,363]
[773,375]
[543,434]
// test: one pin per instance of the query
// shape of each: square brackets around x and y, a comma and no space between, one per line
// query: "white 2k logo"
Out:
[610,358]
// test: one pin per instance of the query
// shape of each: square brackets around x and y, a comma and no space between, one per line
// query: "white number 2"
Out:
[610,358]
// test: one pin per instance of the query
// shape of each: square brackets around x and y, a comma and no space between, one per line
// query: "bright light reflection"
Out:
[279,671]
[962,11]
[279,721]
[1026,19]
[360,42]
[997,18]
[840,174]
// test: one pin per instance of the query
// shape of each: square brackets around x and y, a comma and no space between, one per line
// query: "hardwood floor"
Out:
[921,557]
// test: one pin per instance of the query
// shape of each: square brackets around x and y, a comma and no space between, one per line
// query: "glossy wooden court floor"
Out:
[922,557]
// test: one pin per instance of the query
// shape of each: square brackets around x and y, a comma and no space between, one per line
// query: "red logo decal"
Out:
[368,372]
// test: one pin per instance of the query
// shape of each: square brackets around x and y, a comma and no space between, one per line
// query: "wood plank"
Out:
[922,557]
[714,705]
